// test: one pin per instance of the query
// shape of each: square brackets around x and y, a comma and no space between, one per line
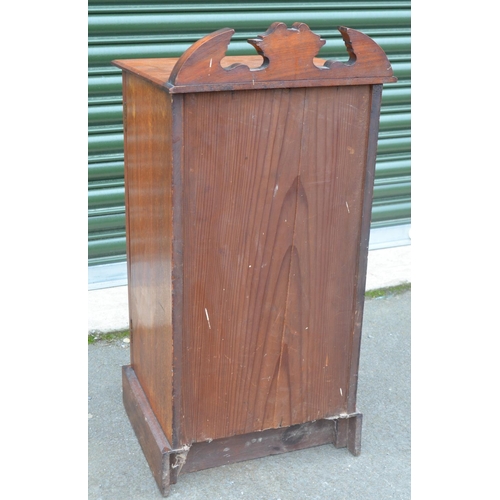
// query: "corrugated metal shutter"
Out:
[128,29]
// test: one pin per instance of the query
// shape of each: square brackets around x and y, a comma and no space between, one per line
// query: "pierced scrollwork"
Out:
[288,60]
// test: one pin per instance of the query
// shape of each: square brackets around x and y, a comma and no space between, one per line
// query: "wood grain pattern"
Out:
[271,237]
[287,60]
[158,70]
[248,200]
[362,258]
[148,160]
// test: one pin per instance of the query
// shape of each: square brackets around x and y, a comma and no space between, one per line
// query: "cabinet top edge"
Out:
[159,70]
[286,59]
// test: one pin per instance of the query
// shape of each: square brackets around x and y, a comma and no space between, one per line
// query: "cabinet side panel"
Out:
[273,194]
[148,164]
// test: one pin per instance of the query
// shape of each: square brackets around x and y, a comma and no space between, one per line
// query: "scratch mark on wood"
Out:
[208,319]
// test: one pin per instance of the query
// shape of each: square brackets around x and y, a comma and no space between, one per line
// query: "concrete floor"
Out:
[118,469]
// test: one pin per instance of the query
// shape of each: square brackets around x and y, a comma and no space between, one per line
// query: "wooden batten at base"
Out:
[167,464]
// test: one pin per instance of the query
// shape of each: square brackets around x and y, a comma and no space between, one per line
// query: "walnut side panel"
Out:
[148,159]
[273,193]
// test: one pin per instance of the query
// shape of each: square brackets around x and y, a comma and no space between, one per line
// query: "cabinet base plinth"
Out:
[167,464]
[154,444]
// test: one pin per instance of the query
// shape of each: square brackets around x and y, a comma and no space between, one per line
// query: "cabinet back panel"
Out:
[272,202]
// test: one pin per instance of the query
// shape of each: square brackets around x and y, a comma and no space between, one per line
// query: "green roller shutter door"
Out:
[121,29]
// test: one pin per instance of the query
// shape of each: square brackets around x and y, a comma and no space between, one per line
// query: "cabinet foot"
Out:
[347,433]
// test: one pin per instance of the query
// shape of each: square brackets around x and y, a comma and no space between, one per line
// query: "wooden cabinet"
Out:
[248,197]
